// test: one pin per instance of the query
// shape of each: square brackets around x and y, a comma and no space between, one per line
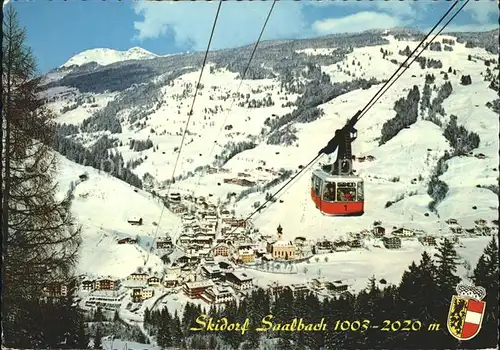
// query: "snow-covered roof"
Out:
[283,243]
[200,284]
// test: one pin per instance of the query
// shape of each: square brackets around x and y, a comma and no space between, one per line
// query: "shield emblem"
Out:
[465,317]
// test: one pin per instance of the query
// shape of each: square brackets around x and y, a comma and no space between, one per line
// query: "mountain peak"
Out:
[105,56]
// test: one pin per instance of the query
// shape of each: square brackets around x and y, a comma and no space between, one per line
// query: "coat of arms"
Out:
[466,312]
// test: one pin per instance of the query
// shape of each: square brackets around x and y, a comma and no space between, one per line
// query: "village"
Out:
[209,258]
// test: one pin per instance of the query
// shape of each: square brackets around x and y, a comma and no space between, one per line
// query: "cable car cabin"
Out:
[341,195]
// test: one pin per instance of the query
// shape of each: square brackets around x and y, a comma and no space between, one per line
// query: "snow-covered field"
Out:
[102,204]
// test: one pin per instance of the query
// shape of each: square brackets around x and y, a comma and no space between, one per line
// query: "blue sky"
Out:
[57,30]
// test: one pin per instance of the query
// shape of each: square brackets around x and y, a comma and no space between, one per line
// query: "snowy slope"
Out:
[411,154]
[104,56]
[102,205]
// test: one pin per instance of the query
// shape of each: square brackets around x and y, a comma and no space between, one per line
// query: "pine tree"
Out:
[98,339]
[447,262]
[486,275]
[446,280]
[40,241]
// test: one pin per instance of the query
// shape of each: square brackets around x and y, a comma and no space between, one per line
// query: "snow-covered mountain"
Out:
[104,56]
[294,97]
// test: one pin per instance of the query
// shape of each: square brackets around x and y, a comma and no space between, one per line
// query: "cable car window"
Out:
[361,195]
[329,192]
[316,183]
[346,194]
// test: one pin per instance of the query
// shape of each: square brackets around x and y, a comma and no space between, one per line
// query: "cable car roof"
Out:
[331,178]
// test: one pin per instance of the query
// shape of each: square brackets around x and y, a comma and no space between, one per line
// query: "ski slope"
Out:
[102,204]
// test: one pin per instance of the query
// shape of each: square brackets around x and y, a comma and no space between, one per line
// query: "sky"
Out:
[58,29]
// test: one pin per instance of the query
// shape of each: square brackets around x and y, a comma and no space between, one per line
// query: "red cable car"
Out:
[335,190]
[337,195]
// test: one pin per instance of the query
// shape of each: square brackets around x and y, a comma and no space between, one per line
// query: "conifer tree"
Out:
[486,275]
[447,262]
[98,339]
[40,240]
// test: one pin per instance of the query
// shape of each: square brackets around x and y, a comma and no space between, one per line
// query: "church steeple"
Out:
[280,231]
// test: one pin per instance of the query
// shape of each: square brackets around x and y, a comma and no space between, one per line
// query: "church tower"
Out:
[280,231]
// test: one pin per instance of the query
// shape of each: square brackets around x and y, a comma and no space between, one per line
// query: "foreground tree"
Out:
[486,275]
[40,239]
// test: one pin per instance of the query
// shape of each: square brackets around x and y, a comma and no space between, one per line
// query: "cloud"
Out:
[357,22]
[188,24]
[470,28]
[239,23]
[483,12]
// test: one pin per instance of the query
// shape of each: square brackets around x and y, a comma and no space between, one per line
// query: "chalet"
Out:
[324,245]
[147,293]
[179,209]
[173,269]
[138,276]
[225,265]
[184,259]
[337,287]
[87,285]
[299,241]
[203,239]
[354,243]
[136,295]
[170,281]
[480,222]
[246,256]
[218,295]
[480,156]
[378,231]
[370,158]
[211,218]
[276,288]
[135,220]
[211,272]
[211,170]
[204,253]
[341,246]
[392,242]
[241,182]
[319,283]
[127,240]
[239,280]
[457,229]
[154,281]
[298,289]
[361,159]
[56,290]
[452,222]
[83,177]
[428,240]
[233,222]
[164,243]
[174,197]
[185,239]
[194,289]
[105,284]
[403,232]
